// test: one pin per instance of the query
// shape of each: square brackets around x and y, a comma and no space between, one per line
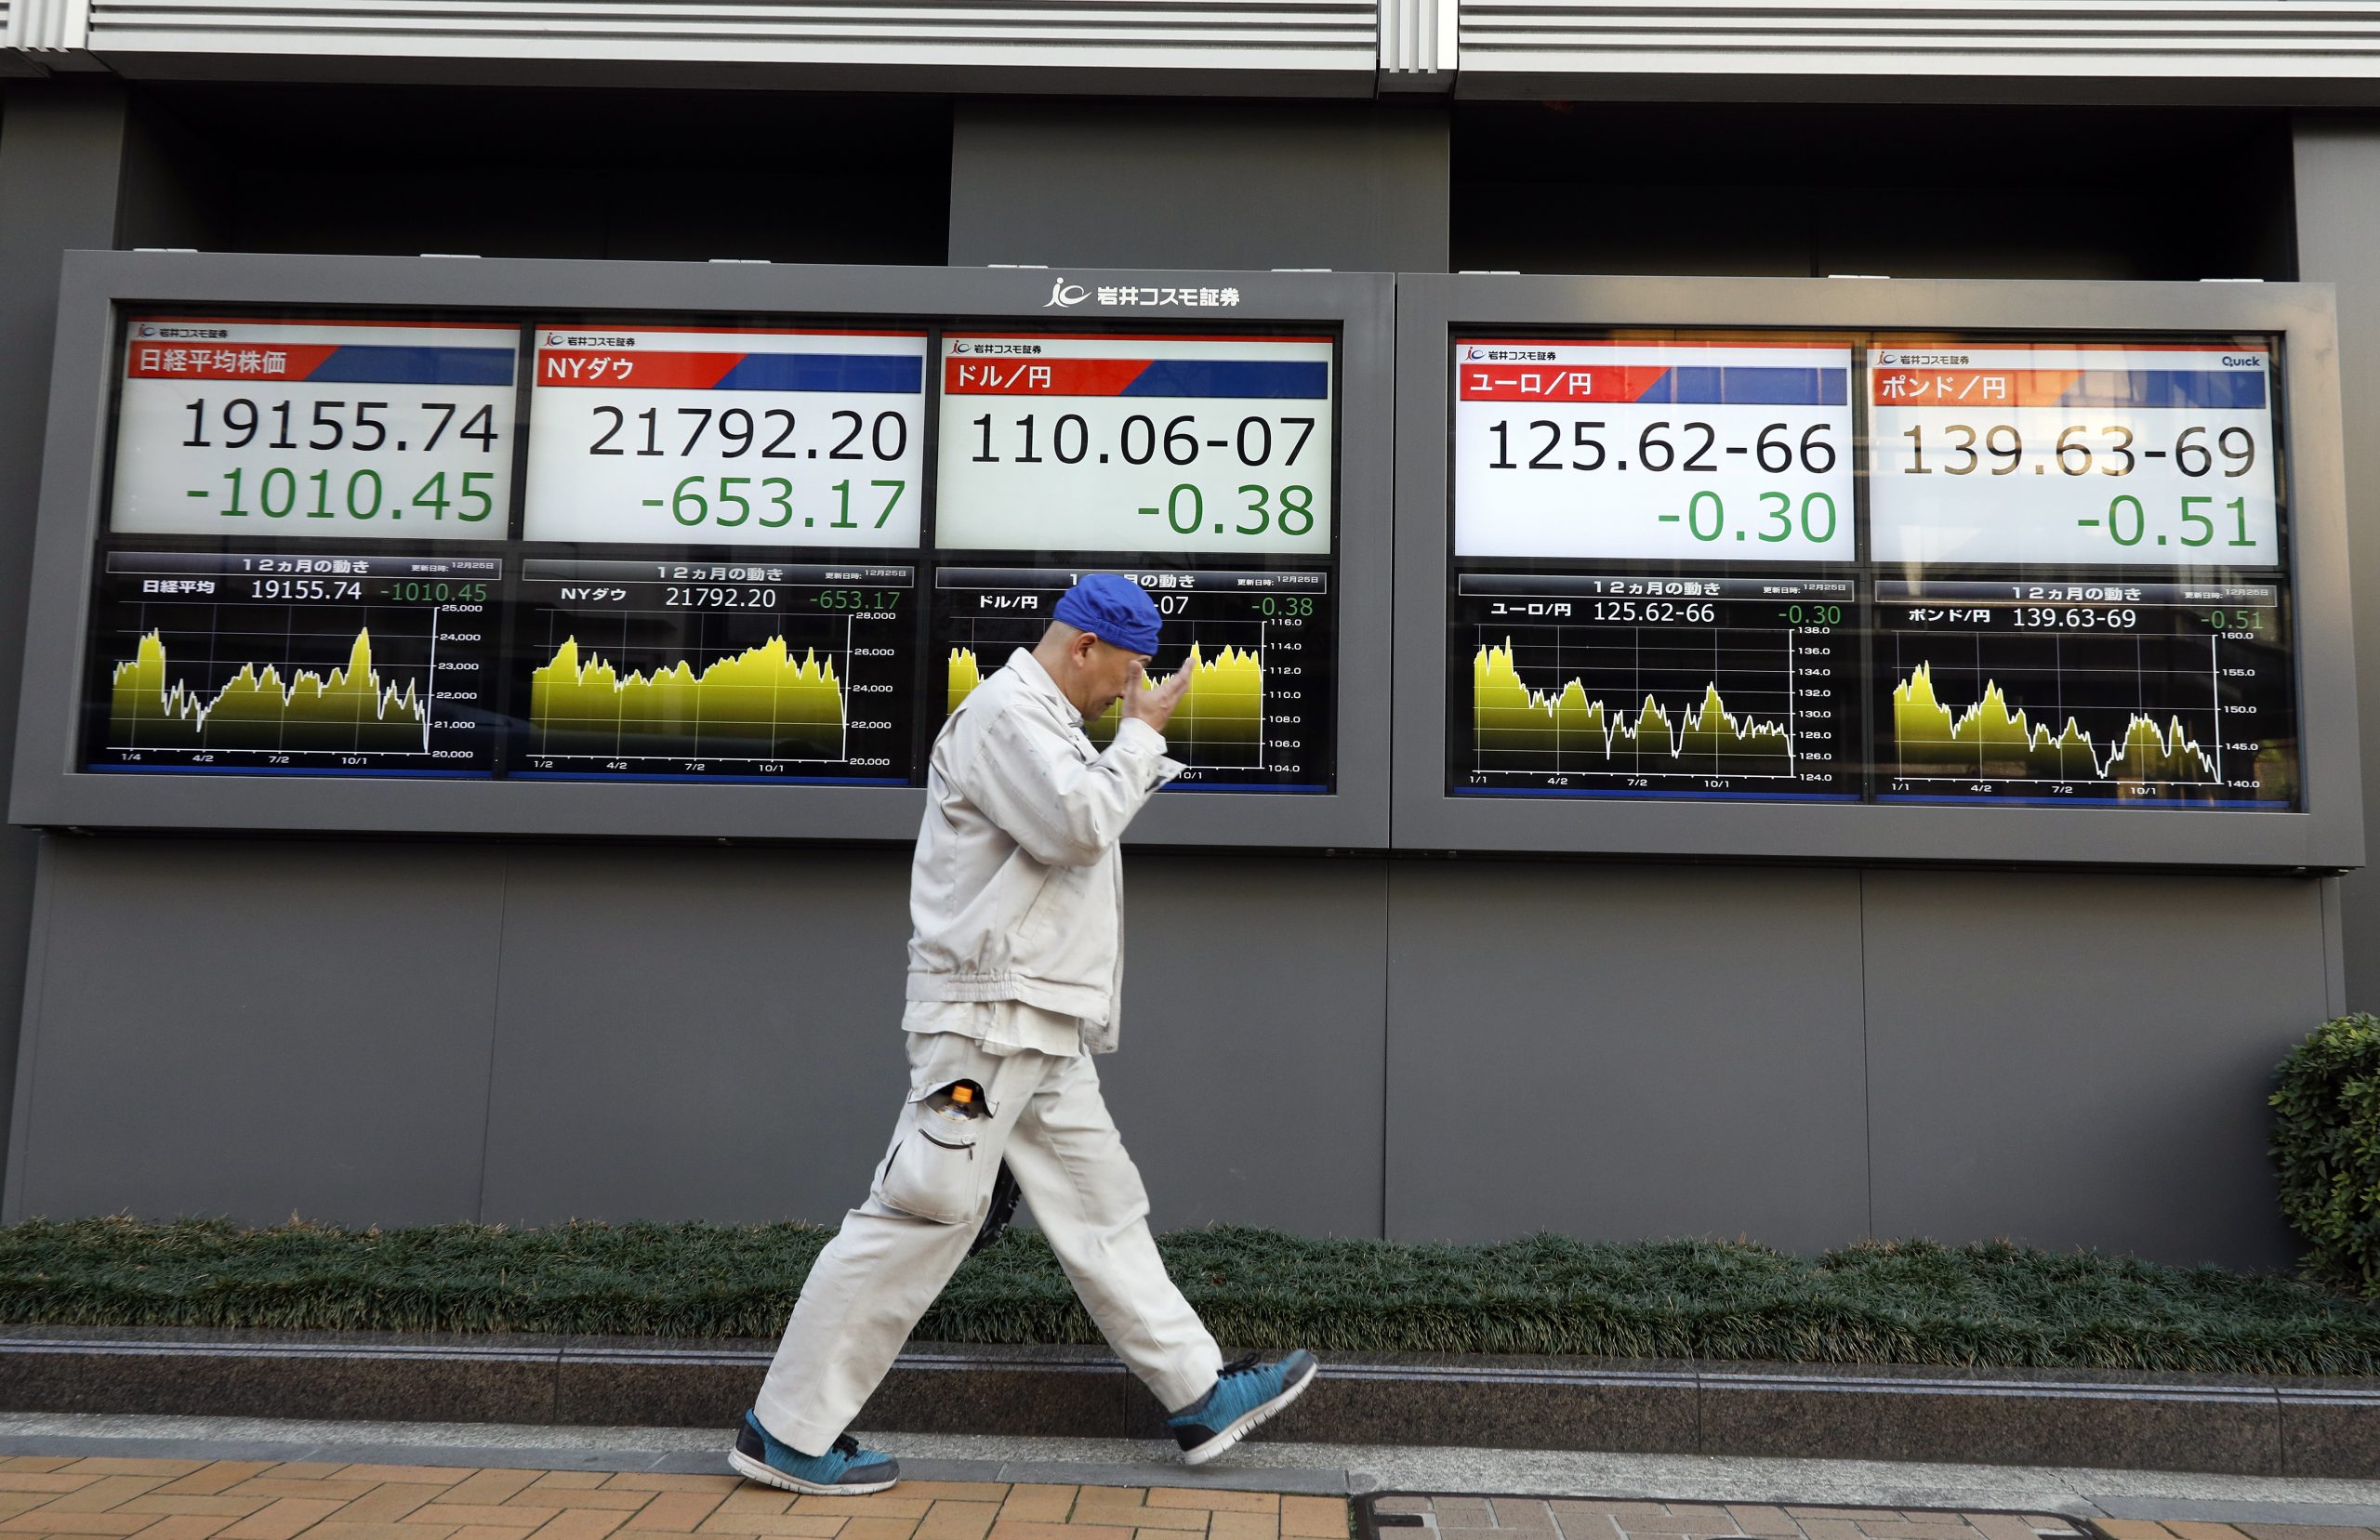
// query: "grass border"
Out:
[1912,1302]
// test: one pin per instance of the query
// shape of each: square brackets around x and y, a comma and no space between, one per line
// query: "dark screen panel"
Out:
[1963,569]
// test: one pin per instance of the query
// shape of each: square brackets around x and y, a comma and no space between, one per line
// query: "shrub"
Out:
[2326,1145]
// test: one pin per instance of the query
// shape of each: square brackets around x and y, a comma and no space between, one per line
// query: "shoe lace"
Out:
[845,1446]
[1240,1365]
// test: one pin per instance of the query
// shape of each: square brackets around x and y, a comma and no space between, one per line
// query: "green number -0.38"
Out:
[1185,511]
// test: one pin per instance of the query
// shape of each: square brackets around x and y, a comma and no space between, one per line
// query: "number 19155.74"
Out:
[240,419]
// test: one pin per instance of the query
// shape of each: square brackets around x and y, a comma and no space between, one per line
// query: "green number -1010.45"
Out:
[278,496]
[411,591]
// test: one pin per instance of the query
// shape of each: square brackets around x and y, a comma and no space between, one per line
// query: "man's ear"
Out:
[1084,641]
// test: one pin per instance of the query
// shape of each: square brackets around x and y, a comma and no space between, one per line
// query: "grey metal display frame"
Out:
[51,791]
[2327,835]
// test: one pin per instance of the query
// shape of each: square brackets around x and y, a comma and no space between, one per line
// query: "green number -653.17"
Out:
[766,502]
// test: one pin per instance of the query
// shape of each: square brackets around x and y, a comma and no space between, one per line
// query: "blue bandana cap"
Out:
[1113,609]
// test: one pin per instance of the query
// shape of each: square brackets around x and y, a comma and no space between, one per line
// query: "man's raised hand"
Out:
[1156,704]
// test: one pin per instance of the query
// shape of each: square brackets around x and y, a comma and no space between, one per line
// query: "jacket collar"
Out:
[1036,679]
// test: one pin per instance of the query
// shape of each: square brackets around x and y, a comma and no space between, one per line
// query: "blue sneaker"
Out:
[1247,1394]
[845,1469]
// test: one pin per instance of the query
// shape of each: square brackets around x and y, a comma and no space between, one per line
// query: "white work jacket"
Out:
[1017,892]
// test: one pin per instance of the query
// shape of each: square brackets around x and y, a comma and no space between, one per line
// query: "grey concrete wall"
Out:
[2081,1060]
[1424,1049]
[391,1033]
[1361,188]
[61,156]
[1626,1051]
[2339,236]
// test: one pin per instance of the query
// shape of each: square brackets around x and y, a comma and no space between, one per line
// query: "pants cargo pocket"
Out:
[934,1171]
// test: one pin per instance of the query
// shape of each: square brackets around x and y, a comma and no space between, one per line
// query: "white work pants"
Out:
[895,1252]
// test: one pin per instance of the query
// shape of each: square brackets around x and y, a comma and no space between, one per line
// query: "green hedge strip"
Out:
[2326,1149]
[1903,1302]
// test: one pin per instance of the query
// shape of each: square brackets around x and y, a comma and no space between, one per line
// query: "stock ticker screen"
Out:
[546,547]
[2045,571]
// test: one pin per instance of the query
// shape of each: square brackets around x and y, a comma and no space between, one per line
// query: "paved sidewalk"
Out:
[1678,1490]
[232,1499]
[163,1499]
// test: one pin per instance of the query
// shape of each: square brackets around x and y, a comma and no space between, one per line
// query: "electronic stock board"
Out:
[1918,570]
[520,548]
[1807,570]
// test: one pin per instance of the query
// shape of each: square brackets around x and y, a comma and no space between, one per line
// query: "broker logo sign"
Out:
[1065,295]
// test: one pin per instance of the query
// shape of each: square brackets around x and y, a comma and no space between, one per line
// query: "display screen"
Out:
[1675,451]
[747,436]
[242,428]
[1971,570]
[735,671]
[2055,454]
[1186,445]
[2103,690]
[1623,684]
[1257,713]
[260,664]
[731,558]
[1205,469]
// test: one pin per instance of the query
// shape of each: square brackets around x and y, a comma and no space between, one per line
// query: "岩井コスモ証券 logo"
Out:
[1066,296]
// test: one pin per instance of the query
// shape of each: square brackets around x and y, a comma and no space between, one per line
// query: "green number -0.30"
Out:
[1706,517]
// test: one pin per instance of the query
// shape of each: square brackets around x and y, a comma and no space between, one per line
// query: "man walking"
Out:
[1017,960]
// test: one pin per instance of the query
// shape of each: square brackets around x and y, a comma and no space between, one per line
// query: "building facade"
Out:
[1347,1033]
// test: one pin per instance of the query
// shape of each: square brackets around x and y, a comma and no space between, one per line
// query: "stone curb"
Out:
[1372,1512]
[2108,1419]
